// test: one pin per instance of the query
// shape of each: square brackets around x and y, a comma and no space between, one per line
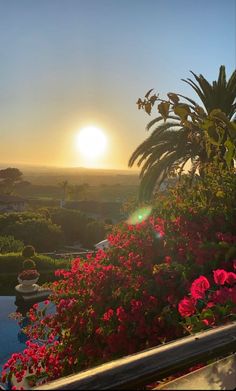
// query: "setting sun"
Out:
[91,142]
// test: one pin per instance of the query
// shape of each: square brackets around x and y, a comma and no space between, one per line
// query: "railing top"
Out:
[152,364]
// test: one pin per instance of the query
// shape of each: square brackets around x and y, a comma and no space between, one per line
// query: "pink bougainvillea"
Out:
[129,297]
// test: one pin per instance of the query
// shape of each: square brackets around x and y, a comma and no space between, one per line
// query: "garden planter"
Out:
[28,285]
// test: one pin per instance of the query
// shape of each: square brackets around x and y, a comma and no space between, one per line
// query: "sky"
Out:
[68,64]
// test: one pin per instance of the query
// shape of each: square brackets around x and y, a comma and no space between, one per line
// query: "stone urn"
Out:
[28,280]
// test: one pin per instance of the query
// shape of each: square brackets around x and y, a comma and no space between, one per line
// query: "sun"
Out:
[91,142]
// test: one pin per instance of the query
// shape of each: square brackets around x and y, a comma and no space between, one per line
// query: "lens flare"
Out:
[139,215]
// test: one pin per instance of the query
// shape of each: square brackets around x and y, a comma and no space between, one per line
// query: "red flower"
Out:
[167,260]
[220,276]
[198,287]
[108,315]
[186,306]
[28,275]
[231,278]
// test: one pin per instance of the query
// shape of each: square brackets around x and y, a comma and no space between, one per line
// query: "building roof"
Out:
[10,199]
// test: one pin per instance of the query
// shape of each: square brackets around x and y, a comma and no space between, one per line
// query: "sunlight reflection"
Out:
[139,215]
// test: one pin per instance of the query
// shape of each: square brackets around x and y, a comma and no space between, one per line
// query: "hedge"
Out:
[11,265]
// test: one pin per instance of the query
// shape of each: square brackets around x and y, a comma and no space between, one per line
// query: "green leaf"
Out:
[213,136]
[232,130]
[230,152]
[199,110]
[207,314]
[182,110]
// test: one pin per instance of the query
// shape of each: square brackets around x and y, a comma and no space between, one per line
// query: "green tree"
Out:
[78,192]
[72,223]
[184,131]
[33,229]
[9,177]
[220,94]
[94,233]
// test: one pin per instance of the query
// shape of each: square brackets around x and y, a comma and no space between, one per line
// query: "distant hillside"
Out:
[40,175]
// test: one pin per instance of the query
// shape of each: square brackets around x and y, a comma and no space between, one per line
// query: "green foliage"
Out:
[72,222]
[29,264]
[10,244]
[12,263]
[212,193]
[11,266]
[8,178]
[28,251]
[218,95]
[32,228]
[185,132]
[95,232]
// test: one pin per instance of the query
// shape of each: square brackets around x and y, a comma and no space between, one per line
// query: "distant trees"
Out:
[9,177]
[64,186]
[78,192]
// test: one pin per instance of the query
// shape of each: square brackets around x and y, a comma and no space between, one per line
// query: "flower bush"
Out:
[29,274]
[160,278]
[210,301]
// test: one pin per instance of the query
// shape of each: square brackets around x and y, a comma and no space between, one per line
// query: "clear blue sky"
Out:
[68,63]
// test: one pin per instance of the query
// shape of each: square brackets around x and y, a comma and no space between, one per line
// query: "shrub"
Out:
[32,228]
[12,263]
[135,294]
[210,302]
[118,302]
[72,223]
[28,251]
[29,264]
[94,233]
[10,244]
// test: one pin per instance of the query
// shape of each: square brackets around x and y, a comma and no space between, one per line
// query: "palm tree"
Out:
[64,186]
[172,144]
[220,95]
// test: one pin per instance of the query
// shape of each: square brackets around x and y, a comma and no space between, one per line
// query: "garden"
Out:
[169,270]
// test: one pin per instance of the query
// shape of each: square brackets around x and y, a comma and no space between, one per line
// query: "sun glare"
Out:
[91,142]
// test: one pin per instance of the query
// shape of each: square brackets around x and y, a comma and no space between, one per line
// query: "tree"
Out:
[220,95]
[78,192]
[184,131]
[33,229]
[9,177]
[72,223]
[64,186]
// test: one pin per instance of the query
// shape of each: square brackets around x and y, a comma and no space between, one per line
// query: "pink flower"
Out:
[220,276]
[186,306]
[199,286]
[231,278]
[167,260]
[221,296]
[108,315]
[28,274]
